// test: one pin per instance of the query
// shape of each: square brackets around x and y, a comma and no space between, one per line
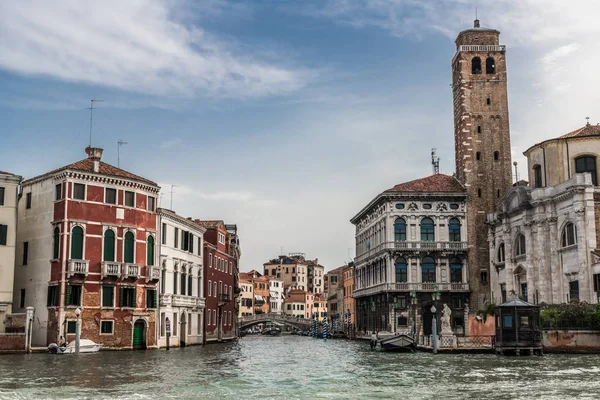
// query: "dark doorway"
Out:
[139,334]
[427,320]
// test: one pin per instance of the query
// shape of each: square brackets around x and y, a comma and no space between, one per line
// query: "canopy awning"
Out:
[258,297]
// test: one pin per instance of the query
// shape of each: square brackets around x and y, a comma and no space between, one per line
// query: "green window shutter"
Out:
[150,251]
[154,299]
[3,234]
[121,296]
[134,302]
[68,296]
[77,243]
[129,243]
[108,295]
[55,249]
[109,245]
[55,299]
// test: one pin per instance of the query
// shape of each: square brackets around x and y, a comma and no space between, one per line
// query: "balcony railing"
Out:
[407,287]
[224,299]
[179,300]
[152,273]
[130,271]
[78,267]
[110,269]
[414,247]
[481,47]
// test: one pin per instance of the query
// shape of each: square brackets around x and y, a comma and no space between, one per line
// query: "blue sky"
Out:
[285,117]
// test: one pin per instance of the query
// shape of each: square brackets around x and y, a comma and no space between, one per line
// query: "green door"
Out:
[138,335]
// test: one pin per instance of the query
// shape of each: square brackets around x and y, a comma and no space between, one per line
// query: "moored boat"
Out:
[85,346]
[272,331]
[400,342]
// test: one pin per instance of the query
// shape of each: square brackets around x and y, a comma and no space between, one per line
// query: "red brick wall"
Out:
[12,342]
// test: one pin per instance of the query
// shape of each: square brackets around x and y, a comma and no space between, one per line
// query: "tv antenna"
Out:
[91,116]
[120,143]
[172,186]
[435,162]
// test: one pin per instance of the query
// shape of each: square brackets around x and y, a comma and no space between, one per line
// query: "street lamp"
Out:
[436,297]
[77,329]
[413,303]
[373,315]
[395,306]
[348,315]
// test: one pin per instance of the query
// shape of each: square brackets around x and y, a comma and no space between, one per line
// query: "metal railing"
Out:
[78,267]
[274,318]
[111,268]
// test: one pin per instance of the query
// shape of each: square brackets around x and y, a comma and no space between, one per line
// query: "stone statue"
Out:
[446,314]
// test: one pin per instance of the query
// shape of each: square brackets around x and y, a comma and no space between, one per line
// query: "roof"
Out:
[437,183]
[5,173]
[210,223]
[87,165]
[588,130]
[517,303]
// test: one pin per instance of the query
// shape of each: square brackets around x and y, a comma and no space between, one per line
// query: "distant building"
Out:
[349,305]
[334,294]
[299,303]
[182,300]
[9,188]
[246,307]
[297,272]
[275,295]
[86,238]
[261,294]
[320,307]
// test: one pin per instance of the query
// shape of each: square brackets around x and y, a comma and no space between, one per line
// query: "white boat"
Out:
[402,342]
[85,346]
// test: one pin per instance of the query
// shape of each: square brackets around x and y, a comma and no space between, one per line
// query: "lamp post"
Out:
[434,329]
[77,329]
[413,303]
[395,306]
[373,315]
[436,297]
[348,323]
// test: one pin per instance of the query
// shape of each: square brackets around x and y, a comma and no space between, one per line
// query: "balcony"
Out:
[111,269]
[224,299]
[130,271]
[152,273]
[78,267]
[179,300]
[413,247]
[407,287]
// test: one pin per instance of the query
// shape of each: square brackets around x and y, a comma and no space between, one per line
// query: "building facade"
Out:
[9,190]
[296,272]
[349,305]
[316,272]
[262,294]
[544,236]
[411,241]
[86,239]
[181,297]
[275,295]
[246,297]
[482,140]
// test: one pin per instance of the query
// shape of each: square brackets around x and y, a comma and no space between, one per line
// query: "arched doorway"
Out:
[139,334]
[183,330]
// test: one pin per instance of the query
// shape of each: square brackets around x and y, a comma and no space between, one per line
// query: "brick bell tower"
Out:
[481,141]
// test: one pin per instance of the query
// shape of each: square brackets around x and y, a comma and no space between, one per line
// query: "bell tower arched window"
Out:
[476,65]
[399,230]
[490,66]
[587,164]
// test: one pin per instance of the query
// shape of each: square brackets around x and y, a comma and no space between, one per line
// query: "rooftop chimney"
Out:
[95,154]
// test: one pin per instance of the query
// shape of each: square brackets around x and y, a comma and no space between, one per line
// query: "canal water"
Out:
[292,367]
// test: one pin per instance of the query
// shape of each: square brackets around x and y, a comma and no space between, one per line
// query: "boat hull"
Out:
[400,343]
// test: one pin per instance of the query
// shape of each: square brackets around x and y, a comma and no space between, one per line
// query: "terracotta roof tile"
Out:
[6,173]
[438,183]
[87,165]
[588,130]
[210,224]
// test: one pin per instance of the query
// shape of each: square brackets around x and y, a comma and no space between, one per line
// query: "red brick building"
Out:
[221,256]
[87,239]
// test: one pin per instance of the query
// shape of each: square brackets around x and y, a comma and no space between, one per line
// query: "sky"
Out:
[283,117]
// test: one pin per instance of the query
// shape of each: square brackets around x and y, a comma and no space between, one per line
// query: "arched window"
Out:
[537,176]
[587,164]
[129,244]
[520,245]
[478,129]
[454,230]
[401,270]
[77,243]
[478,192]
[183,281]
[489,101]
[455,270]
[428,270]
[109,245]
[150,251]
[478,156]
[400,230]
[569,235]
[501,256]
[55,243]
[476,65]
[427,234]
[490,66]
[496,155]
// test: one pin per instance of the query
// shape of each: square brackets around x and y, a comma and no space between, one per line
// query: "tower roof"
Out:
[438,183]
[477,29]
[586,131]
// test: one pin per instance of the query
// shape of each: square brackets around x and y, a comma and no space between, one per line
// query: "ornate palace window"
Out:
[400,230]
[401,270]
[427,234]
[428,270]
[520,245]
[454,230]
[455,270]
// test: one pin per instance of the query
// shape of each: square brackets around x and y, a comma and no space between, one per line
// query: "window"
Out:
[22,300]
[209,288]
[501,256]
[77,243]
[520,245]
[164,233]
[215,289]
[209,317]
[507,321]
[537,176]
[176,238]
[569,235]
[52,296]
[401,270]
[151,203]
[478,192]
[455,270]
[25,252]
[214,317]
[129,199]
[478,129]
[400,206]
[427,234]
[484,277]
[79,191]
[454,230]
[128,247]
[503,292]
[3,234]
[109,245]
[457,302]
[490,66]
[110,196]
[127,297]
[427,206]
[58,192]
[106,327]
[183,282]
[174,324]
[71,327]
[108,296]
[73,295]
[489,101]
[496,155]
[399,230]
[478,156]
[163,280]
[587,164]
[150,250]
[163,323]
[428,270]
[2,190]
[476,65]
[199,246]
[185,235]
[150,298]
[28,200]
[55,243]
[498,193]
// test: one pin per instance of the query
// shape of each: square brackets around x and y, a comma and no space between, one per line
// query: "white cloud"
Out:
[137,46]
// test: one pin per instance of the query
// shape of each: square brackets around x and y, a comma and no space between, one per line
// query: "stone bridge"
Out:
[300,323]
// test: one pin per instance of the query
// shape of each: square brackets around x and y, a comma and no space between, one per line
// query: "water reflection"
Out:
[293,368]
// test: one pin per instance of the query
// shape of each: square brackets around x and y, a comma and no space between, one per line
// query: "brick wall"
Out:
[12,342]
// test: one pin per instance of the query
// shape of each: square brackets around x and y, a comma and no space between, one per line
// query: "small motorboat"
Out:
[402,342]
[274,331]
[85,346]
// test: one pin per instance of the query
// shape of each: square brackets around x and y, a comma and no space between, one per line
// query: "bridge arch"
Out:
[251,320]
